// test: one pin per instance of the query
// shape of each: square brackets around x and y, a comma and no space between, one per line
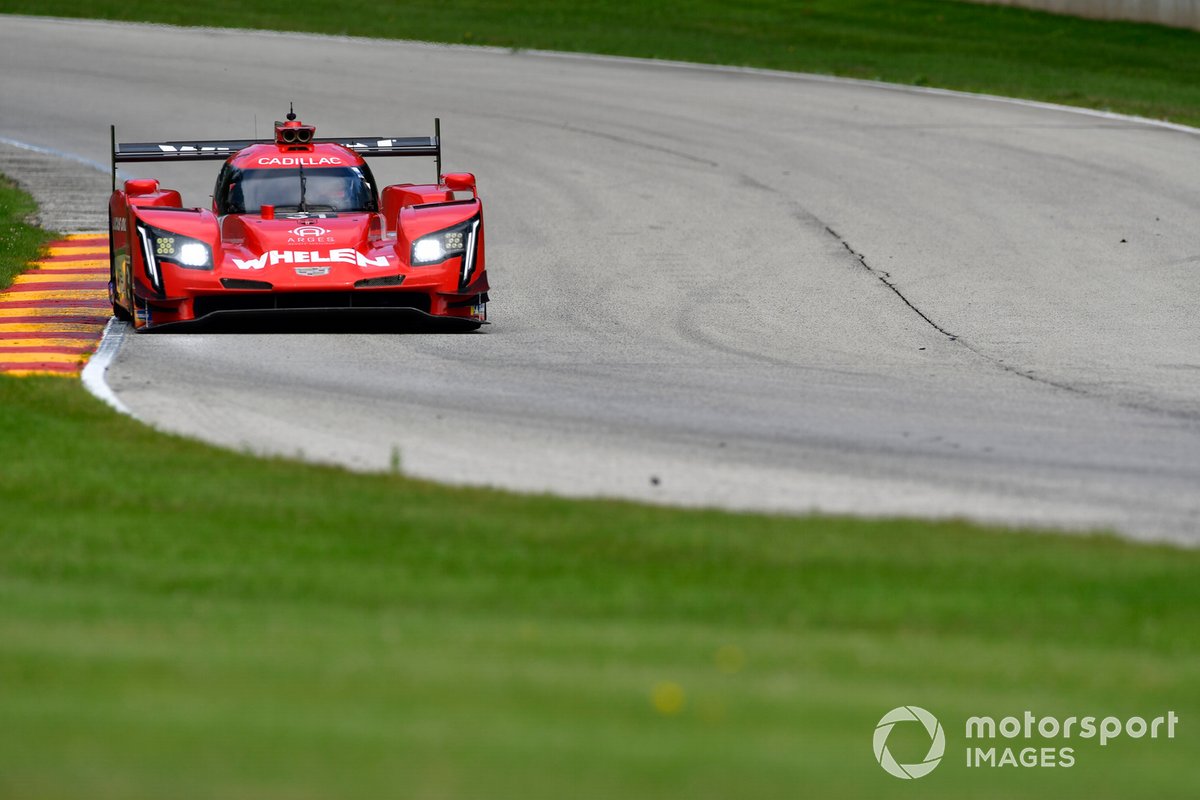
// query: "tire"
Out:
[133,301]
[119,311]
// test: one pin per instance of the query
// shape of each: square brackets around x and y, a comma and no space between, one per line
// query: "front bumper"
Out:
[317,319]
[464,309]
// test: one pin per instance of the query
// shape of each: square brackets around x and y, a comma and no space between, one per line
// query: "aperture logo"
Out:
[937,742]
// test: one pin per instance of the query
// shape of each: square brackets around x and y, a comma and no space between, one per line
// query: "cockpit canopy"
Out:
[296,190]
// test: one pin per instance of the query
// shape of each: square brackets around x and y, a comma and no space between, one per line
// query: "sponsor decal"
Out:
[310,234]
[119,224]
[382,144]
[341,255]
[299,161]
[187,148]
[312,272]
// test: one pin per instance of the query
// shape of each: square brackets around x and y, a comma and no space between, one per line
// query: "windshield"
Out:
[303,189]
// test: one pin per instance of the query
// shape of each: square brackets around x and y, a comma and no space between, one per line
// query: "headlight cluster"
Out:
[444,244]
[182,251]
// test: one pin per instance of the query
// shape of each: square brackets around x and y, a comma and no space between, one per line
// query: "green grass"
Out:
[180,621]
[1141,69]
[19,240]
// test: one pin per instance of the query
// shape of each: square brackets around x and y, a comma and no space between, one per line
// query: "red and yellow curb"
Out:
[53,316]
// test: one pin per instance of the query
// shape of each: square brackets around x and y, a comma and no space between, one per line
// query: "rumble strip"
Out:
[53,315]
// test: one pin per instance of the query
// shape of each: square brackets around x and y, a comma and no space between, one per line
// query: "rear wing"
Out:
[221,149]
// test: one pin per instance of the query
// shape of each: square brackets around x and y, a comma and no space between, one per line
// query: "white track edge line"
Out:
[93,373]
[814,77]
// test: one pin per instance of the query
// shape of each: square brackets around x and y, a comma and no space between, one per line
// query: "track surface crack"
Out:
[884,278]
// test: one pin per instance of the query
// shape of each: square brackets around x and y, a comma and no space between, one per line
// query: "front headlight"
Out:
[429,249]
[444,244]
[194,254]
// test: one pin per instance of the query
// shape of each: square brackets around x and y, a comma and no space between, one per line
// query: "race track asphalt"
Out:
[711,287]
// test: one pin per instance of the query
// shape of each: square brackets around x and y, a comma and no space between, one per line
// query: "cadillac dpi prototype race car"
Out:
[296,224]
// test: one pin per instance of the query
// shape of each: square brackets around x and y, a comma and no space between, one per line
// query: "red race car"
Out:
[297,224]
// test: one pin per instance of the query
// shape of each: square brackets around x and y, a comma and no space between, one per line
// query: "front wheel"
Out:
[139,315]
[119,311]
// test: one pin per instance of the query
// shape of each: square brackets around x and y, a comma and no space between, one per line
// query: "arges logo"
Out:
[310,234]
[937,742]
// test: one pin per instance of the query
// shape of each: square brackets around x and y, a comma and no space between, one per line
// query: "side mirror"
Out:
[141,187]
[459,181]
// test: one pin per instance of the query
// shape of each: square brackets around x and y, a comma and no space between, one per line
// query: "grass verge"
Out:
[180,621]
[1142,69]
[19,240]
